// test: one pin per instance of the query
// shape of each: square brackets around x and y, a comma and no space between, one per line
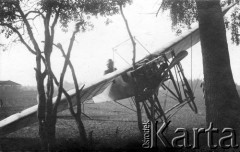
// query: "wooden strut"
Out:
[147,95]
[154,109]
[186,89]
[150,103]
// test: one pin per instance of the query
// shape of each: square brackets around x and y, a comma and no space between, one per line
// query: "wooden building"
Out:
[9,84]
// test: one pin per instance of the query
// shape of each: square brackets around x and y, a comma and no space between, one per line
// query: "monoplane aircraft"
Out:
[141,83]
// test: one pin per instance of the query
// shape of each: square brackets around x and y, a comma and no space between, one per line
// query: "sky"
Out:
[93,48]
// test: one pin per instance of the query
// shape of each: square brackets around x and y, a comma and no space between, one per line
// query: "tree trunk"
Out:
[221,96]
[41,109]
[47,118]
[82,132]
[41,98]
[51,132]
[139,115]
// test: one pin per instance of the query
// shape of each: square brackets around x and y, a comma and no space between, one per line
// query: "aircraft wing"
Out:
[117,84]
[121,88]
[29,115]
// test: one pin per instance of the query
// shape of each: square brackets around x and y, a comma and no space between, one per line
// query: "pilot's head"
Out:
[110,63]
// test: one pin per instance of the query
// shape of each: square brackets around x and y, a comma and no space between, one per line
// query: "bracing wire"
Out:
[115,51]
[113,58]
[121,43]
[196,83]
[142,46]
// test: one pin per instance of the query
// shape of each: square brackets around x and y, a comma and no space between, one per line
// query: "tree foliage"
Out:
[13,12]
[184,13]
[234,26]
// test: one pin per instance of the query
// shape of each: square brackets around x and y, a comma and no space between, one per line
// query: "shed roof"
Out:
[9,82]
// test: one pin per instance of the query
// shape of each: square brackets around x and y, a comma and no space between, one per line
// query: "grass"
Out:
[112,127]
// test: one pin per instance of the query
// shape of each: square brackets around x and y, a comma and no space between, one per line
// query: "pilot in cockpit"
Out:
[110,67]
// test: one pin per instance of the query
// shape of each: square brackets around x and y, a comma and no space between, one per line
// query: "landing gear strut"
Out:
[150,76]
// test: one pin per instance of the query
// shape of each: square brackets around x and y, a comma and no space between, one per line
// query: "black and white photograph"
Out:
[120,75]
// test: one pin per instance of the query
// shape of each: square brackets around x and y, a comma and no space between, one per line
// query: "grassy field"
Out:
[112,126]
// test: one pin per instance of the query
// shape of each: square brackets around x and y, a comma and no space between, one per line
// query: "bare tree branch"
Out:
[47,46]
[69,100]
[33,18]
[78,97]
[130,35]
[22,40]
[20,36]
[20,20]
[55,21]
[35,26]
[77,115]
[35,12]
[35,44]
[65,67]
